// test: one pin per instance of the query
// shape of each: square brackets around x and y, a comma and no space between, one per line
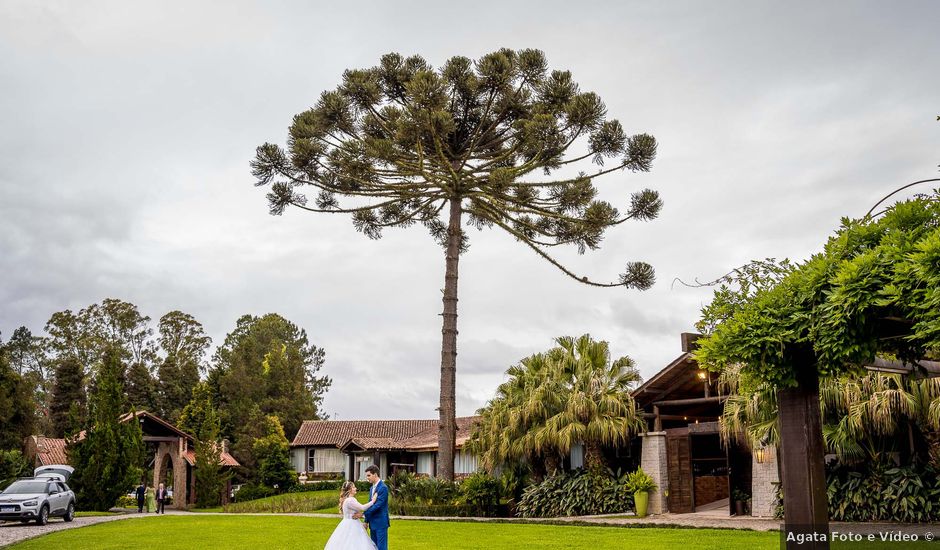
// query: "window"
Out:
[311,462]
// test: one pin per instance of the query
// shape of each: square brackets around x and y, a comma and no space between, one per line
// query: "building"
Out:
[333,448]
[683,451]
[171,453]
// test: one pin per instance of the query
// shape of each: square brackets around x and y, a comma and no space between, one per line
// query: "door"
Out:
[679,466]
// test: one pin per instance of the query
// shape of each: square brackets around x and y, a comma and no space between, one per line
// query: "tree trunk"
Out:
[448,409]
[594,458]
[805,504]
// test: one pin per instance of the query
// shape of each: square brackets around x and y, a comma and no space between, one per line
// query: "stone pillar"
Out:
[653,462]
[764,477]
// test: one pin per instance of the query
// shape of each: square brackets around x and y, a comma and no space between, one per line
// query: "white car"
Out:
[37,498]
[61,472]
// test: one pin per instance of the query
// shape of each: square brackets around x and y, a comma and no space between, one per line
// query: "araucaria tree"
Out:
[472,142]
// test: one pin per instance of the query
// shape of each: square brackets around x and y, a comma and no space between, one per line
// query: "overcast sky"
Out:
[126,129]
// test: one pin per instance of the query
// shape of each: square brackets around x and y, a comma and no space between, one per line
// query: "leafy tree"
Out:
[17,409]
[67,409]
[273,454]
[267,365]
[183,343]
[571,394]
[12,465]
[107,459]
[200,419]
[402,143]
[141,388]
[27,356]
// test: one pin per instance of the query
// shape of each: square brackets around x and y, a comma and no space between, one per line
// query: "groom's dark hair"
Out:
[373,469]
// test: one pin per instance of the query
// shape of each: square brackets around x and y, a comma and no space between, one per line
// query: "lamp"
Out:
[702,375]
[759,454]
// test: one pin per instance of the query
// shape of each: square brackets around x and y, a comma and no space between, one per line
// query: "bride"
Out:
[350,534]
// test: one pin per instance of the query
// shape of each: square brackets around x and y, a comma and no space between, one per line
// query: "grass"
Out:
[93,514]
[303,502]
[276,532]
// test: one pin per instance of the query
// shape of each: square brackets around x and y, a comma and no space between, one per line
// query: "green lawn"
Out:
[92,514]
[242,531]
[320,502]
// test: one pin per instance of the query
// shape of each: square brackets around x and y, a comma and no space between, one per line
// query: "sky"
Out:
[127,128]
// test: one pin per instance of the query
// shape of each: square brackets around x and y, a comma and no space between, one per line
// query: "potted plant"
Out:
[641,484]
[740,501]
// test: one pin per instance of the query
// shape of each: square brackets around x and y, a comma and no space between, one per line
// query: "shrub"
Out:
[251,491]
[426,491]
[576,493]
[326,485]
[12,465]
[448,510]
[125,501]
[481,490]
[283,504]
[881,491]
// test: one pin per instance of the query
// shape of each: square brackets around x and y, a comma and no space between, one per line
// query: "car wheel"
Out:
[69,512]
[43,516]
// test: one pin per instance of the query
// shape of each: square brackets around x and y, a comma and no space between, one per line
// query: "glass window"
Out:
[25,488]
[311,463]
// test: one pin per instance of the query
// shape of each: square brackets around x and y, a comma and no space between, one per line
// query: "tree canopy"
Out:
[874,290]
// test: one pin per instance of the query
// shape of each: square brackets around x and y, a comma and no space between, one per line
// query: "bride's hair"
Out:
[344,493]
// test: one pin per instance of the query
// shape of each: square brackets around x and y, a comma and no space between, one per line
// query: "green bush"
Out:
[12,465]
[125,501]
[881,491]
[426,491]
[251,491]
[577,493]
[481,490]
[326,485]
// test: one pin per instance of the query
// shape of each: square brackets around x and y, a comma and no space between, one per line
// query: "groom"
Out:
[377,514]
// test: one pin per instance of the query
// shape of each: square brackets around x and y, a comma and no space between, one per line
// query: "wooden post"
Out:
[657,421]
[801,459]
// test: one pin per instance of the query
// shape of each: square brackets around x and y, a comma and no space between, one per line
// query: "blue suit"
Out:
[377,515]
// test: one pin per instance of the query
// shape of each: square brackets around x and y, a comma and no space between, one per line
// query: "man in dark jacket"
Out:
[162,497]
[141,491]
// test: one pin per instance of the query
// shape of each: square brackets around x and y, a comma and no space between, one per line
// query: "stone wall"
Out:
[763,489]
[653,462]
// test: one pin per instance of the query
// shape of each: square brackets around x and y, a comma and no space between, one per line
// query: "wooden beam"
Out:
[695,401]
[801,461]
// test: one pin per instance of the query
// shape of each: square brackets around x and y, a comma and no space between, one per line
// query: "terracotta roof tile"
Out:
[335,433]
[225,459]
[376,435]
[50,451]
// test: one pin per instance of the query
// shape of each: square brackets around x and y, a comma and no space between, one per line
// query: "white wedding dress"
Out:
[350,534]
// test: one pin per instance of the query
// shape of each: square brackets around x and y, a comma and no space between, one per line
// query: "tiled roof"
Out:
[50,451]
[427,440]
[335,433]
[225,459]
[404,435]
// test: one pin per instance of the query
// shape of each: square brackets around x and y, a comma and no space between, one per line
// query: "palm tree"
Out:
[862,415]
[596,408]
[554,400]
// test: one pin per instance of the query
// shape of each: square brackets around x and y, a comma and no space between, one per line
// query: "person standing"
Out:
[139,492]
[162,497]
[377,514]
[151,503]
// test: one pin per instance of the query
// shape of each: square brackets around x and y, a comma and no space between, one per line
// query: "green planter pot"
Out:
[641,499]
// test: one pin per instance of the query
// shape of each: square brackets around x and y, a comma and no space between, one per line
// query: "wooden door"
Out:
[679,464]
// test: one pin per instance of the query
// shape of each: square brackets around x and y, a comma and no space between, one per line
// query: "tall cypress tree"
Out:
[200,419]
[108,459]
[68,397]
